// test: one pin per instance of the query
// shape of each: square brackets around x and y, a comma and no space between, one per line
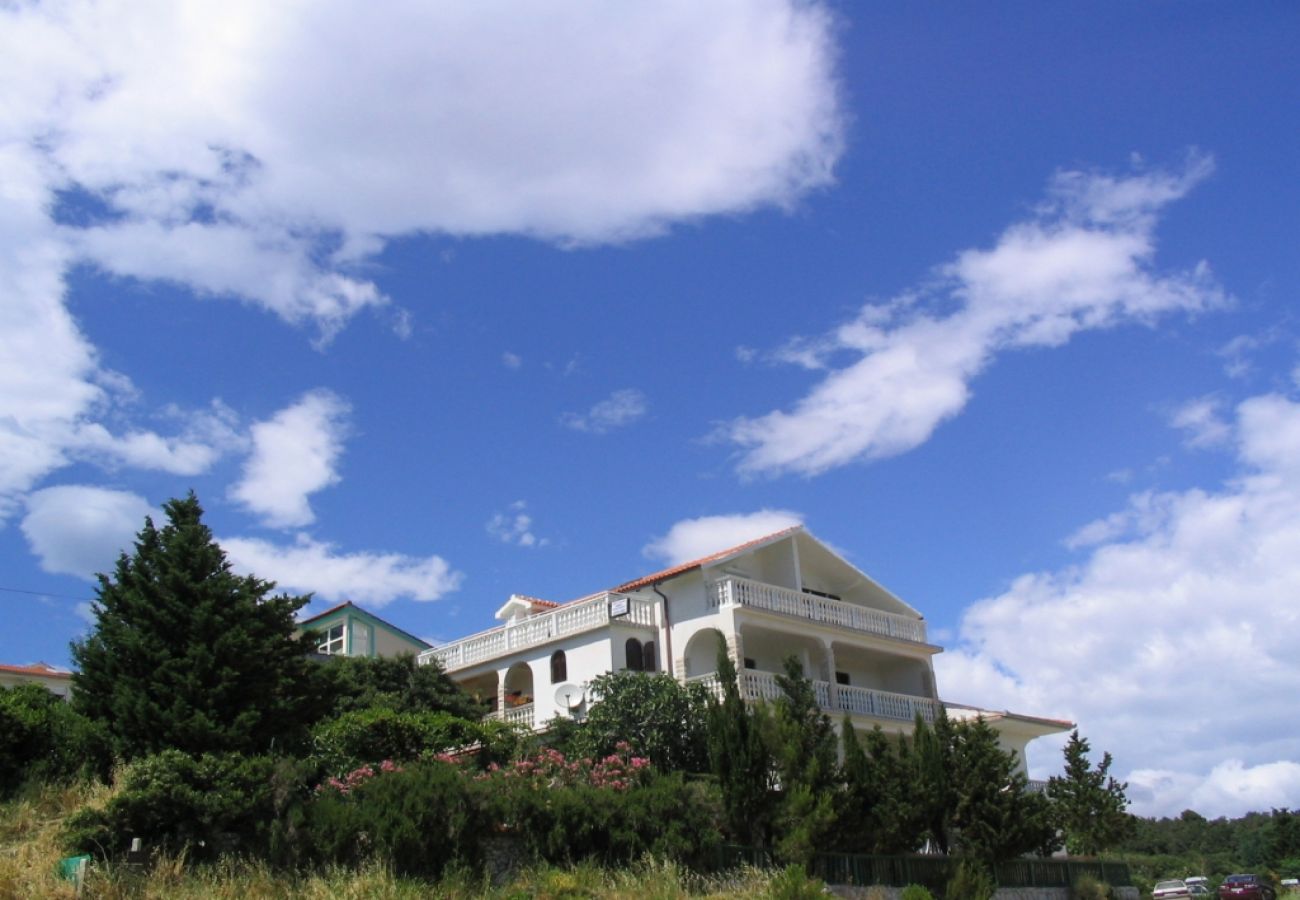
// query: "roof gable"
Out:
[349,608]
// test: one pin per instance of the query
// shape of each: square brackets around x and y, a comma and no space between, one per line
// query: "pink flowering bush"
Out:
[357,777]
[550,769]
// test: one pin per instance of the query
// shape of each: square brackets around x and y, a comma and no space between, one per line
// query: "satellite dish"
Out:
[569,696]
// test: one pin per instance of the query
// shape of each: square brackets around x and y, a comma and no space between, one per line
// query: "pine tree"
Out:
[1089,805]
[802,744]
[187,655]
[739,758]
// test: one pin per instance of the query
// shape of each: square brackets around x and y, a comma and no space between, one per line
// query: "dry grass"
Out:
[31,829]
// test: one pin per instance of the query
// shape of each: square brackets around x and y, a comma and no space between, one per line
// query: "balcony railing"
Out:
[755,594]
[572,618]
[515,715]
[837,698]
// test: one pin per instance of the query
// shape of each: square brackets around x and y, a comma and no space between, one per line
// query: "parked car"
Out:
[1199,890]
[1246,887]
[1167,890]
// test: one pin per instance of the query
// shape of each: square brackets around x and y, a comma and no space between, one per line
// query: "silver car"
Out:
[1166,890]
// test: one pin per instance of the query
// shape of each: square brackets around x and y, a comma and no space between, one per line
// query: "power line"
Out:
[47,594]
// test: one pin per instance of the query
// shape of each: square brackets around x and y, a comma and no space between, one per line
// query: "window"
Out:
[648,656]
[332,644]
[559,667]
[632,652]
[749,663]
[841,677]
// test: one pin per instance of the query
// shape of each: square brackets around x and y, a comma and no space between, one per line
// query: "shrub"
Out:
[971,881]
[372,735]
[916,892]
[420,819]
[42,738]
[1089,888]
[201,806]
[793,883]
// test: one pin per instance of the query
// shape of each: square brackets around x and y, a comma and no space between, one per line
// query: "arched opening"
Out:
[483,689]
[648,656]
[635,660]
[559,667]
[519,685]
[702,652]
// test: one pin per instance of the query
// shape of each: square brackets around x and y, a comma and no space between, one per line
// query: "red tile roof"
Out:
[43,670]
[703,560]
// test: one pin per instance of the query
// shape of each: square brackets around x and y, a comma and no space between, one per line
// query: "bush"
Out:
[916,892]
[971,881]
[420,819]
[42,738]
[1089,888]
[202,806]
[371,735]
[793,883]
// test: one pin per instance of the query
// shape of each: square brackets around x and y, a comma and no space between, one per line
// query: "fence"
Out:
[934,872]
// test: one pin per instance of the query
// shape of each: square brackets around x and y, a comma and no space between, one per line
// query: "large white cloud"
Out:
[295,454]
[267,151]
[1083,261]
[693,538]
[373,579]
[80,529]
[1172,642]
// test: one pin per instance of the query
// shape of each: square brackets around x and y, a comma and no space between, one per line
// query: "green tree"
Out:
[994,816]
[933,764]
[352,683]
[1089,805]
[661,719]
[739,758]
[186,654]
[802,745]
[879,809]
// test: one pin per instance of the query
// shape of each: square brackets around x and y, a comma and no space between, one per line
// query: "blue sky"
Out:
[442,304]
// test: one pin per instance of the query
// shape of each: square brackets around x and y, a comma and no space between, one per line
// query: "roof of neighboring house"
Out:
[365,614]
[680,568]
[995,715]
[40,669]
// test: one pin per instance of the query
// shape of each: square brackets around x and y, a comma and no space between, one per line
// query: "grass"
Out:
[31,827]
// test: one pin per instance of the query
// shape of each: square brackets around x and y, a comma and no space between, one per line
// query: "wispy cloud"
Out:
[295,454]
[1083,261]
[374,579]
[515,526]
[619,409]
[1119,642]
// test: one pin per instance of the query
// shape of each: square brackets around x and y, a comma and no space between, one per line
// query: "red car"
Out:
[1246,887]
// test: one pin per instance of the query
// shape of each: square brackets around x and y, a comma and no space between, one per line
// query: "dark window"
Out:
[822,594]
[841,677]
[632,649]
[559,667]
[750,664]
[648,655]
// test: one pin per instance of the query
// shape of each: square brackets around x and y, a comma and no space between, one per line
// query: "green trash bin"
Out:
[73,868]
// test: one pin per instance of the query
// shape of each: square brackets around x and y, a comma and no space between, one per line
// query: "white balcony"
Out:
[572,618]
[835,699]
[515,715]
[756,595]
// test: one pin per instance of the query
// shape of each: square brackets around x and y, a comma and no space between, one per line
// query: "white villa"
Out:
[865,649]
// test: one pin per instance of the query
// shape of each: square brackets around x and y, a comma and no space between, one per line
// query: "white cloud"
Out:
[80,530]
[1172,641]
[372,579]
[515,527]
[1201,419]
[693,538]
[511,360]
[1083,261]
[617,410]
[295,453]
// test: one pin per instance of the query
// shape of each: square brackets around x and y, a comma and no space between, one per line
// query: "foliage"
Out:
[994,816]
[794,883]
[971,881]
[419,819]
[802,744]
[916,892]
[1089,888]
[934,766]
[42,738]
[661,718]
[1089,805]
[187,655]
[371,735]
[353,683]
[878,808]
[202,806]
[739,758]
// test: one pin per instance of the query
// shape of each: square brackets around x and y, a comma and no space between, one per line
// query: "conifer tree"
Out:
[739,758]
[186,654]
[1089,805]
[802,744]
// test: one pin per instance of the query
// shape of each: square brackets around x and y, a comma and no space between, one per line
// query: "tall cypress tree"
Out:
[1090,806]
[739,758]
[186,654]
